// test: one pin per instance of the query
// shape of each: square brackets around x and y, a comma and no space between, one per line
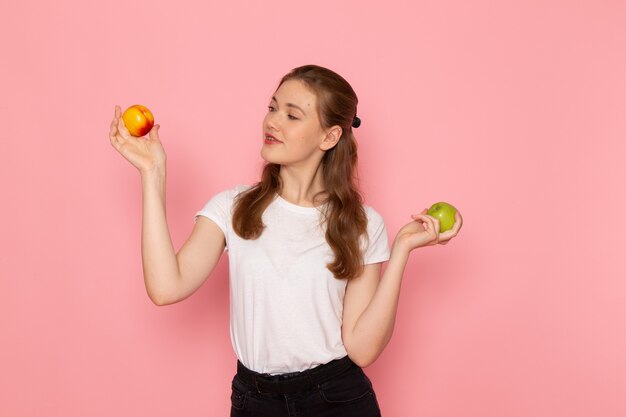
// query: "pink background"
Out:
[512,111]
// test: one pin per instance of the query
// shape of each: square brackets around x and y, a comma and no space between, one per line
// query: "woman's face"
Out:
[292,134]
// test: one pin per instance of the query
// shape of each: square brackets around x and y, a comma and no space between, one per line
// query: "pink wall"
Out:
[513,111]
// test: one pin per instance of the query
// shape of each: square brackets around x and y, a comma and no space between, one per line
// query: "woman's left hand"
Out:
[424,231]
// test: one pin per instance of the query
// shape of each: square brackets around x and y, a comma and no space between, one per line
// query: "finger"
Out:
[431,224]
[427,218]
[421,220]
[420,217]
[422,212]
[433,229]
[436,224]
[122,128]
[417,218]
[459,221]
[153,134]
[112,129]
[446,236]
[116,140]
[449,234]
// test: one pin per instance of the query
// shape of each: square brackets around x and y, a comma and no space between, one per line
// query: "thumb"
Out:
[154,132]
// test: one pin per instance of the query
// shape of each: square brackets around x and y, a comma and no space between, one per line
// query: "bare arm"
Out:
[369,312]
[169,277]
[371,302]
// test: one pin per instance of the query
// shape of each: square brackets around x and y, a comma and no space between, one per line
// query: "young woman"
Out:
[309,308]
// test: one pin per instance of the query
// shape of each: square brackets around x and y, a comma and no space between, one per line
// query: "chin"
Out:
[266,155]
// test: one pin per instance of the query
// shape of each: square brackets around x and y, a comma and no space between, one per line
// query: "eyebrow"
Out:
[291,105]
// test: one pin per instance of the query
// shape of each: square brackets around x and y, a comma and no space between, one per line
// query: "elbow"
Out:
[157,301]
[363,356]
[157,298]
[159,295]
[362,361]
[161,299]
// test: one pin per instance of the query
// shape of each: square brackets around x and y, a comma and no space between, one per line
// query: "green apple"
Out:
[445,213]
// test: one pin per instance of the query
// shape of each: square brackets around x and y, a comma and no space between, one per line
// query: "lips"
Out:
[271,139]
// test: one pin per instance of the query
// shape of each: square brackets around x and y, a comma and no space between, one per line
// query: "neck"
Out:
[301,184]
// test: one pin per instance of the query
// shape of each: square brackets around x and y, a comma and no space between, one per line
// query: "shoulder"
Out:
[376,245]
[236,190]
[374,219]
[229,195]
[220,206]
[223,200]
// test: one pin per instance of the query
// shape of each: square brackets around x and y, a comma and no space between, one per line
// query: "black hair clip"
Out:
[356,122]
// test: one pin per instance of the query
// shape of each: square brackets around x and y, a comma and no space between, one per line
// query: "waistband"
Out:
[294,381]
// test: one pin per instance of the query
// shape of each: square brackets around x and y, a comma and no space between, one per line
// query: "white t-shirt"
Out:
[285,305]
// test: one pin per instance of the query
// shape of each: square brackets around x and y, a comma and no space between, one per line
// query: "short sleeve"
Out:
[219,208]
[378,246]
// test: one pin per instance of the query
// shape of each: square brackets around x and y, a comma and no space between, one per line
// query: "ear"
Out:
[332,137]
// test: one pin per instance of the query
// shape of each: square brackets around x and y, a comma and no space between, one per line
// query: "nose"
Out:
[270,121]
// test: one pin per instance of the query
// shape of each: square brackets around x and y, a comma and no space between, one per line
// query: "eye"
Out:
[271,108]
[292,117]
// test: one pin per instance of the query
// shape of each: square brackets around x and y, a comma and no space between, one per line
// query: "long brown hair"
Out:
[344,215]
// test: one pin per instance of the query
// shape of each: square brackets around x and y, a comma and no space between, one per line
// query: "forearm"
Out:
[160,266]
[373,330]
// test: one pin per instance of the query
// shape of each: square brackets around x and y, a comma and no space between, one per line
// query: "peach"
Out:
[138,120]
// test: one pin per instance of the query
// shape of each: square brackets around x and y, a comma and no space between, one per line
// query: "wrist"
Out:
[153,174]
[153,182]
[399,251]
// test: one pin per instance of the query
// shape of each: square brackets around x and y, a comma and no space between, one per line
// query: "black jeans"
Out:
[338,388]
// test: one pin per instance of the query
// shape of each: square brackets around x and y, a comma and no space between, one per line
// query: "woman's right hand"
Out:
[145,153]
